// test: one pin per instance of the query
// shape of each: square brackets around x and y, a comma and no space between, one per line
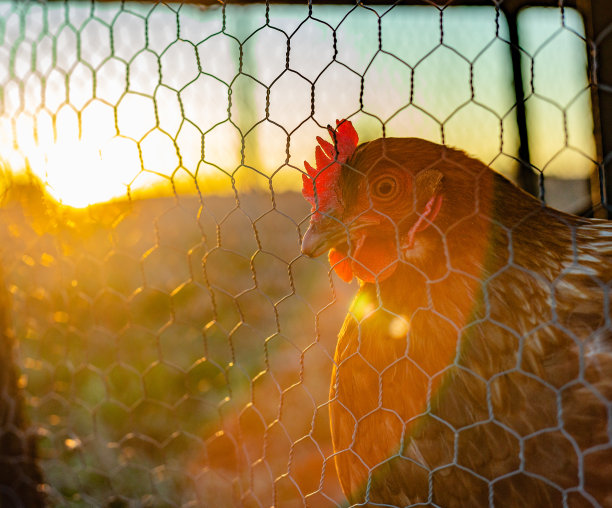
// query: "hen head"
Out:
[376,204]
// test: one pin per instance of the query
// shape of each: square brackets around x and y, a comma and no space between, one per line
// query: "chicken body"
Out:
[475,365]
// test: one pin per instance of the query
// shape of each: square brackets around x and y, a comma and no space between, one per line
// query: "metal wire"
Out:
[176,348]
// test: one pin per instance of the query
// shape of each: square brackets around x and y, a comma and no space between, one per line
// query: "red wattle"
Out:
[374,260]
[341,264]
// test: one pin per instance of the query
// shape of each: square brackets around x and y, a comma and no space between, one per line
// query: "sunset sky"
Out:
[96,99]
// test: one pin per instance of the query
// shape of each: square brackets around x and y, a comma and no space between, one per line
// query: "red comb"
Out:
[321,183]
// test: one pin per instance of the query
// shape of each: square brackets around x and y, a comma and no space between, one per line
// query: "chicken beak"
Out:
[323,234]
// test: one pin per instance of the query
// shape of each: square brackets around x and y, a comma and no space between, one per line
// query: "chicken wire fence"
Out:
[174,346]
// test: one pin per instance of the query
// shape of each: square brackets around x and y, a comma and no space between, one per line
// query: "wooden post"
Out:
[598,23]
[527,177]
[20,477]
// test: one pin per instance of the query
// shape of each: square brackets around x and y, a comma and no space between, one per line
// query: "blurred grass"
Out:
[175,350]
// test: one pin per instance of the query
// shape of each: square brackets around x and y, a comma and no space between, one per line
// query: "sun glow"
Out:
[80,173]
[77,171]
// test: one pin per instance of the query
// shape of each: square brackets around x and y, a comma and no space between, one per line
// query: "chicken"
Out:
[474,367]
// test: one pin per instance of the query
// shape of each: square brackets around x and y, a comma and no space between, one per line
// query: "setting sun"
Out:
[79,173]
[78,168]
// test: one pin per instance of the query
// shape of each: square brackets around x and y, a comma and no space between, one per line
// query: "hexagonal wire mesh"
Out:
[176,347]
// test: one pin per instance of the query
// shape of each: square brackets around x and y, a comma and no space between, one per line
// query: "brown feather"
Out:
[498,385]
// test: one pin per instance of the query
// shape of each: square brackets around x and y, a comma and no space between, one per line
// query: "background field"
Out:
[174,348]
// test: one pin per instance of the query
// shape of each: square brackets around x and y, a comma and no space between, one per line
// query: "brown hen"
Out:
[474,367]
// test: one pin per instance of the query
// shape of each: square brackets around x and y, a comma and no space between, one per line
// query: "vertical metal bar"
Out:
[527,178]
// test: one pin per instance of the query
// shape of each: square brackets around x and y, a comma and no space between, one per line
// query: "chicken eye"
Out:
[385,188]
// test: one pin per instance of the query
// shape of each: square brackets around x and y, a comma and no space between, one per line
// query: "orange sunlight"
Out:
[81,173]
[78,168]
